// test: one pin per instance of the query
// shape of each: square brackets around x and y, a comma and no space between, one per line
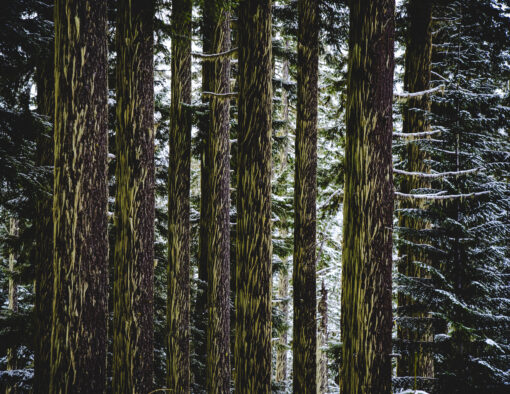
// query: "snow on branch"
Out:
[213,56]
[437,196]
[417,135]
[407,95]
[220,95]
[435,175]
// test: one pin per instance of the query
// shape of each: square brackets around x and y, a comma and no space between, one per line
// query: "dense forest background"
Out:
[450,156]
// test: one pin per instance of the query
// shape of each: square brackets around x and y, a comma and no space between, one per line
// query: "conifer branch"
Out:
[436,175]
[438,196]
[408,95]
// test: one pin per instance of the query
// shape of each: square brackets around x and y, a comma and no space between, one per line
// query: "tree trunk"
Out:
[218,253]
[368,203]
[133,344]
[304,339]
[12,362]
[178,299]
[80,254]
[322,342]
[415,119]
[254,249]
[43,224]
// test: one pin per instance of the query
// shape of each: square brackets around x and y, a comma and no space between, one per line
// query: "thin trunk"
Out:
[322,342]
[304,338]
[44,227]
[282,344]
[218,253]
[133,343]
[253,268]
[178,299]
[368,201]
[12,362]
[415,119]
[199,374]
[80,254]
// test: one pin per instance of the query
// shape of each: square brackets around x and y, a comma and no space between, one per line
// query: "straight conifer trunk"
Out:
[368,203]
[218,253]
[43,223]
[253,237]
[133,345]
[416,78]
[12,358]
[304,339]
[178,299]
[80,253]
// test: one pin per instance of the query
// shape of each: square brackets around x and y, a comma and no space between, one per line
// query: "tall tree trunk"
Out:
[133,343]
[415,119]
[304,339]
[80,254]
[178,300]
[12,362]
[368,201]
[200,341]
[322,342]
[218,253]
[253,268]
[43,224]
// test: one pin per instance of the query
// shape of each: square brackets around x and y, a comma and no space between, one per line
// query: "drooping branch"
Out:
[436,175]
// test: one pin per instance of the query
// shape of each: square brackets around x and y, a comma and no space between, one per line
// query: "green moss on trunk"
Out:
[368,203]
[253,234]
[134,203]
[80,252]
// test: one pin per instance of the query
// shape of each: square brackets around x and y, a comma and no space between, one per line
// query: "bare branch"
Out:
[407,95]
[436,175]
[220,95]
[404,196]
[213,56]
[417,135]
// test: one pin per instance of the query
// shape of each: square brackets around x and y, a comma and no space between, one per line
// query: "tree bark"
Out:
[304,339]
[368,201]
[254,249]
[12,357]
[43,224]
[415,119]
[322,342]
[80,253]
[218,253]
[178,299]
[133,343]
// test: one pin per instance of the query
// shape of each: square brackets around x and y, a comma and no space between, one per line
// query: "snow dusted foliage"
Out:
[465,247]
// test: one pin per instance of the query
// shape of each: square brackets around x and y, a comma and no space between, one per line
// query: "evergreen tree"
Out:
[304,338]
[253,230]
[78,341]
[134,203]
[178,299]
[368,201]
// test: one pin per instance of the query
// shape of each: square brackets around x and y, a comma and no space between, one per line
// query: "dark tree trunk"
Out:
[178,300]
[133,345]
[304,339]
[218,185]
[415,119]
[368,203]
[44,227]
[80,255]
[253,235]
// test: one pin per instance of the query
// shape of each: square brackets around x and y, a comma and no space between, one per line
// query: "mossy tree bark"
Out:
[418,362]
[253,235]
[368,203]
[43,224]
[322,342]
[80,253]
[178,299]
[133,345]
[218,185]
[304,339]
